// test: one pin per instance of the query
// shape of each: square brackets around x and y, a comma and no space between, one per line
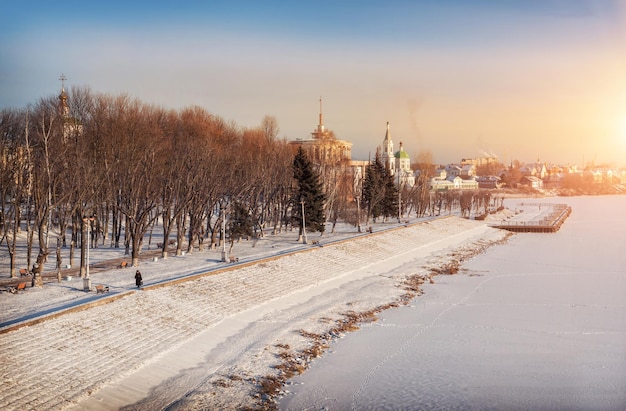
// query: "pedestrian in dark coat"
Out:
[138,279]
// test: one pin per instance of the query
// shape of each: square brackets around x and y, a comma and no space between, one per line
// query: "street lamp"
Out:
[87,279]
[224,256]
[303,224]
[358,215]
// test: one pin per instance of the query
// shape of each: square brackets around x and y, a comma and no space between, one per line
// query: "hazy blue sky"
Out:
[520,79]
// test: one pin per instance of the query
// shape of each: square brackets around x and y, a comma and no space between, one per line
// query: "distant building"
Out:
[537,169]
[333,159]
[323,147]
[398,163]
[489,182]
[532,182]
[468,171]
[72,127]
[452,170]
[463,184]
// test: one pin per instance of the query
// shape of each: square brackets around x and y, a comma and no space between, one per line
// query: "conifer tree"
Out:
[380,194]
[310,191]
[240,223]
[390,202]
[373,188]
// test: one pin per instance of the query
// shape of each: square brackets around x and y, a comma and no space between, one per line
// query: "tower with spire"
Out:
[320,132]
[398,163]
[72,128]
[64,109]
[323,147]
[389,160]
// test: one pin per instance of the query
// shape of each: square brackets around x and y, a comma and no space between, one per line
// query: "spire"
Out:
[62,78]
[63,107]
[320,126]
[321,117]
[319,131]
[387,134]
[388,156]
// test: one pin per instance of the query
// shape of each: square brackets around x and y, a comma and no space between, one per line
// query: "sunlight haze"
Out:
[520,80]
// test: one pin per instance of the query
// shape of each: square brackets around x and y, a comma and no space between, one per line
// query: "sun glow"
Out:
[622,132]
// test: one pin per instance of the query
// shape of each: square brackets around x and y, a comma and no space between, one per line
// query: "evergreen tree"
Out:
[373,188]
[380,194]
[310,191]
[390,202]
[240,224]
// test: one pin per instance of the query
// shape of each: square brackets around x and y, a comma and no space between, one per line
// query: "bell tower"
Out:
[64,109]
[388,156]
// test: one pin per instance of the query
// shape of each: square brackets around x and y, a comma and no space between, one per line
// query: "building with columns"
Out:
[322,147]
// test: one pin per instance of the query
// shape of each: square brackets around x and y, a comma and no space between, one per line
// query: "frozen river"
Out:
[538,323]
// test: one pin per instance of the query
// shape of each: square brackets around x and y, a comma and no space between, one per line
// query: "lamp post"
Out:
[87,279]
[358,215]
[224,256]
[400,204]
[303,224]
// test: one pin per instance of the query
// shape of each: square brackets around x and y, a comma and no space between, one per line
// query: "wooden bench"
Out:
[24,272]
[234,259]
[170,242]
[124,264]
[101,289]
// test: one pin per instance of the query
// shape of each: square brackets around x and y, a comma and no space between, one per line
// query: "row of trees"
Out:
[114,166]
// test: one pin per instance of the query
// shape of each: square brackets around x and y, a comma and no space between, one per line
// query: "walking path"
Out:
[87,358]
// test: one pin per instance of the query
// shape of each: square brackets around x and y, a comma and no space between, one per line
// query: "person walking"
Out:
[138,279]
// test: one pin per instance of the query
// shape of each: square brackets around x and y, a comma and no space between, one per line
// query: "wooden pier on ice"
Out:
[537,218]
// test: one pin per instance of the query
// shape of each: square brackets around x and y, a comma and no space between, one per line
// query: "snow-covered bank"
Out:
[536,324]
[205,343]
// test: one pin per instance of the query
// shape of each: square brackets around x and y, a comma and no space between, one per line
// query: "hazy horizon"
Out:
[521,80]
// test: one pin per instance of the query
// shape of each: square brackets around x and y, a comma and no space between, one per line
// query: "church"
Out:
[399,163]
[330,154]
[71,126]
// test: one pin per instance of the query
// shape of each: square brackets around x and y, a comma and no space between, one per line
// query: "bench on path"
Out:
[170,242]
[123,264]
[101,289]
[24,272]
[234,259]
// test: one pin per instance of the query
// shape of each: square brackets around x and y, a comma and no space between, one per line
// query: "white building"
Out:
[399,163]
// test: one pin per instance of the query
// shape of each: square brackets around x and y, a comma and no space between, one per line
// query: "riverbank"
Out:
[212,342]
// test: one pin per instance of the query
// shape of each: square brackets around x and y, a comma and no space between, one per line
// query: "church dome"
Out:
[402,154]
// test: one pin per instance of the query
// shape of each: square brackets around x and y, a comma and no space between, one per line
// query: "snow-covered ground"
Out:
[207,342]
[538,323]
[210,342]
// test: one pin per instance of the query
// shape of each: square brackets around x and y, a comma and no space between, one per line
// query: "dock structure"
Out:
[544,218]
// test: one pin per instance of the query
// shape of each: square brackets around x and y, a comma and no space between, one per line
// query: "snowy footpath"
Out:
[208,342]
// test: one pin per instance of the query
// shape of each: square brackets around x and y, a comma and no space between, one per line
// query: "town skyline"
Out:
[521,80]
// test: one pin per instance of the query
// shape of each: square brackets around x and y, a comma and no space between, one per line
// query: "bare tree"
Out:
[14,178]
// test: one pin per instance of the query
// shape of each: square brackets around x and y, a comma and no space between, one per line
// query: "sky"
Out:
[521,80]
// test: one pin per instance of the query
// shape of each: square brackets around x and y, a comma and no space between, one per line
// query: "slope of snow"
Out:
[207,342]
